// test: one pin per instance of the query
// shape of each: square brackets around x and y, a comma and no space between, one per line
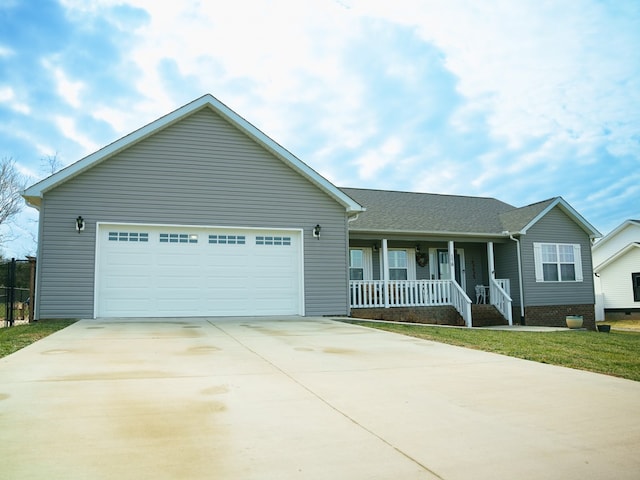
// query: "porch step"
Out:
[486,315]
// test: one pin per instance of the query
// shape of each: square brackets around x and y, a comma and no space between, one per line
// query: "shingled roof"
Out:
[391,211]
[516,219]
[428,213]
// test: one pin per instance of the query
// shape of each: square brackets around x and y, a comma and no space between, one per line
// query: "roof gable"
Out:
[616,231]
[522,219]
[616,256]
[34,193]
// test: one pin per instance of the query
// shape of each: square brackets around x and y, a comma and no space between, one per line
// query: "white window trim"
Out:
[577,262]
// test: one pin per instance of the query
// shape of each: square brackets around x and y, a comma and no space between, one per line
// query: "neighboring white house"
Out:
[616,260]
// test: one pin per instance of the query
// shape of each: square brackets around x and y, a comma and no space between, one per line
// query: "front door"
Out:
[443,271]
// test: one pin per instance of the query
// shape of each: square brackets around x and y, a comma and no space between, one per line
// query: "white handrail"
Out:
[462,303]
[500,299]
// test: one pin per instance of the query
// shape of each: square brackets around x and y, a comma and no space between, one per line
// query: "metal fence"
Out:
[17,285]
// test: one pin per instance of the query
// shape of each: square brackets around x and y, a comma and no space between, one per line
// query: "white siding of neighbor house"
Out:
[199,171]
[614,288]
[616,283]
[556,227]
[609,246]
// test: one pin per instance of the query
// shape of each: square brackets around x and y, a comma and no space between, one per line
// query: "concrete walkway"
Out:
[301,398]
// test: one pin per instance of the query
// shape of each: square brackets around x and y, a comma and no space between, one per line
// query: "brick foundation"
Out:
[434,315]
[555,315]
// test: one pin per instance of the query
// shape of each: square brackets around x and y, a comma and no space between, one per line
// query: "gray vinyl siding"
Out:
[199,171]
[556,227]
[506,263]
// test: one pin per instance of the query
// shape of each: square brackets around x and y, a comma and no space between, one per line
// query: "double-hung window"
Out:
[557,262]
[398,265]
[359,264]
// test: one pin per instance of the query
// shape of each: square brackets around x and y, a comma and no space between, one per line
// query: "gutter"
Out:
[520,287]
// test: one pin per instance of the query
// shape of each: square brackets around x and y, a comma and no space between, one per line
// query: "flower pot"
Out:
[604,328]
[574,321]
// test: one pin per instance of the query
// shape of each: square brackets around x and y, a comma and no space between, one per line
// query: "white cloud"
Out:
[68,127]
[68,89]
[535,68]
[8,96]
[260,68]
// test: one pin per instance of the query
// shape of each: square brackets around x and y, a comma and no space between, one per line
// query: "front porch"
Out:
[391,292]
[428,293]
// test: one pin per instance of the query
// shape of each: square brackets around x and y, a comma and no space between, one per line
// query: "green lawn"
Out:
[14,338]
[616,353]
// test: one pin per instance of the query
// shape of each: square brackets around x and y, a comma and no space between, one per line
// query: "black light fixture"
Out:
[417,248]
[79,223]
[316,231]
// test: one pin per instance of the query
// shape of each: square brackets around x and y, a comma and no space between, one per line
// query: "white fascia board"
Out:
[615,256]
[569,210]
[614,232]
[36,191]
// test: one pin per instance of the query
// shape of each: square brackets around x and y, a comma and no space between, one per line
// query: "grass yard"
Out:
[14,338]
[616,353]
[623,324]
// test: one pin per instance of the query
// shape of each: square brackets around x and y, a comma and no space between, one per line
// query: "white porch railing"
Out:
[505,284]
[500,298]
[410,293]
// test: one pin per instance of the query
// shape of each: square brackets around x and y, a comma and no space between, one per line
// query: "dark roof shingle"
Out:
[426,212]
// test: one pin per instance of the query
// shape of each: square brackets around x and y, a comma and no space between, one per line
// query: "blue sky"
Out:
[519,100]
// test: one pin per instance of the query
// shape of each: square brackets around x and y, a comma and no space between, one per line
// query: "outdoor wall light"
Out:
[316,231]
[79,223]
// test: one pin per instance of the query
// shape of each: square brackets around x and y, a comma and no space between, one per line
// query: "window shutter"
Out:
[577,258]
[537,258]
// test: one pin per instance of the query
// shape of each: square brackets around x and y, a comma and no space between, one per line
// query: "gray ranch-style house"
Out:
[199,213]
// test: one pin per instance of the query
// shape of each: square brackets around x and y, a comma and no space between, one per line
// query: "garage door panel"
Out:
[221,272]
[130,281]
[130,259]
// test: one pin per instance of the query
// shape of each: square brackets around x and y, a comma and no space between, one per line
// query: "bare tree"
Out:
[50,164]
[11,184]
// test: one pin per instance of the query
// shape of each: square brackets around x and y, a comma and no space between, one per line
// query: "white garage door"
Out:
[152,271]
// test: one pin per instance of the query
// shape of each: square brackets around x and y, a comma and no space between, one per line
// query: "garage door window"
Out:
[178,238]
[285,241]
[128,237]
[227,239]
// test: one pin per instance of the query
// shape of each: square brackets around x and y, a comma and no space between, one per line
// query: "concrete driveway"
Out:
[301,398]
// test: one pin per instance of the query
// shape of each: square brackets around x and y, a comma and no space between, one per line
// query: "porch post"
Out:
[385,273]
[452,260]
[492,267]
